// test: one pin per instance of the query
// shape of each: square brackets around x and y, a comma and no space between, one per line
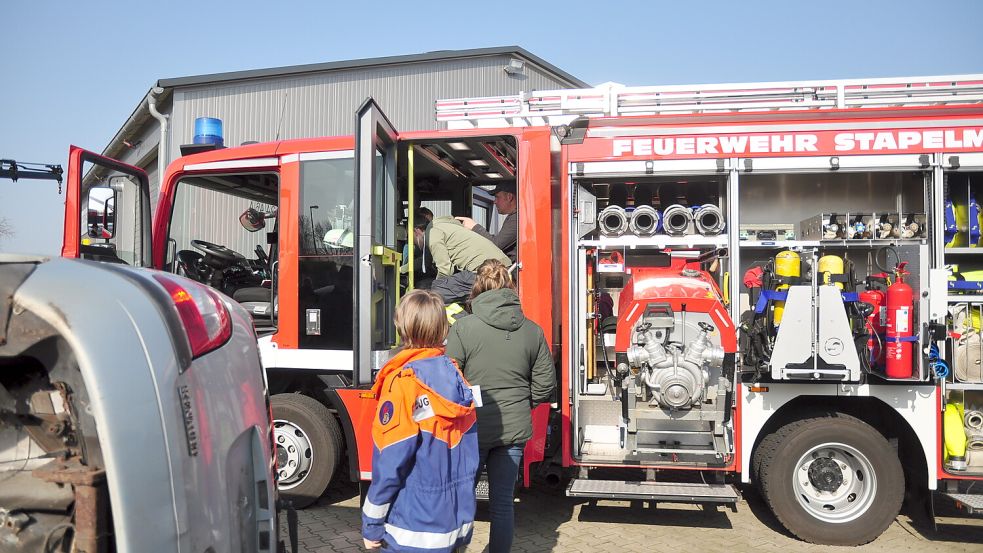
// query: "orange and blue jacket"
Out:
[425,455]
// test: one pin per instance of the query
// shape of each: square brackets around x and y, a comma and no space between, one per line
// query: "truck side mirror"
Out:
[101,212]
[253,220]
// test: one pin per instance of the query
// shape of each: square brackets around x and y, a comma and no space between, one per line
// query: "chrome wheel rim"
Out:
[834,483]
[294,454]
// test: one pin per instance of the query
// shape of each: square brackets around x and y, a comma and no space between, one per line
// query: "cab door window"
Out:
[223,233]
[326,241]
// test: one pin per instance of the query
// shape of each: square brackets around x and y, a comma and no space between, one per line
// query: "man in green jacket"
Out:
[455,248]
[457,252]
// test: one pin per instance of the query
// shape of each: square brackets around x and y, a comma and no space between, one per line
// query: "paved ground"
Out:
[549,521]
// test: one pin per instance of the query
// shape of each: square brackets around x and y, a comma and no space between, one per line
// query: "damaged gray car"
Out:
[133,413]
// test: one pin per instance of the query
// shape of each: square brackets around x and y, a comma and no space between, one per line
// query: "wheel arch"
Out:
[337,406]
[872,410]
[322,386]
[314,383]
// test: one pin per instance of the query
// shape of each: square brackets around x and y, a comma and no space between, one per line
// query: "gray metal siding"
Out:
[314,105]
[214,218]
[151,170]
[142,153]
[324,104]
[438,55]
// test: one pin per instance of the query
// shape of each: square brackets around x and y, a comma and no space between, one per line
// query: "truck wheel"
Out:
[308,447]
[831,479]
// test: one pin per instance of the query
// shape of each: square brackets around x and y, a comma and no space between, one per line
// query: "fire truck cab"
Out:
[308,235]
[706,262]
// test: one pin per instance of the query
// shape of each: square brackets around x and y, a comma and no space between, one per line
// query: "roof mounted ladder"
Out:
[553,107]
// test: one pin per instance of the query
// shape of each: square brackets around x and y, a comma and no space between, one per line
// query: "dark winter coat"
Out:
[506,355]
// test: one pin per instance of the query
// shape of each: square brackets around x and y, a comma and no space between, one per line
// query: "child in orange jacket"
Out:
[426,442]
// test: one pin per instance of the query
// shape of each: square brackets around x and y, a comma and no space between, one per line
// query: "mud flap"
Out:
[286,506]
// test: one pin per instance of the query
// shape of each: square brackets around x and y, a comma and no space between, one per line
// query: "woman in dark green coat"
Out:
[507,357]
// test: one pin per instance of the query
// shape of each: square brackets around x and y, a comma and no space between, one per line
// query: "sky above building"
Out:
[74,71]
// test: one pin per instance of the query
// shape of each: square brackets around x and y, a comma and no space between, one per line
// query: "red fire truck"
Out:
[770,284]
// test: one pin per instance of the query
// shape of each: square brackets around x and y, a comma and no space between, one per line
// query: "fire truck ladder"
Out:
[555,107]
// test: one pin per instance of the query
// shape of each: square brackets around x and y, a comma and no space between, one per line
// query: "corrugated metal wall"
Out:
[151,170]
[324,104]
[213,217]
[320,104]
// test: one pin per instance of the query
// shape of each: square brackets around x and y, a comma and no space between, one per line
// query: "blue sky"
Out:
[74,71]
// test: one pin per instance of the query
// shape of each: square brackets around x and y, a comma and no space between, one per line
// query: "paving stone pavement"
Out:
[546,520]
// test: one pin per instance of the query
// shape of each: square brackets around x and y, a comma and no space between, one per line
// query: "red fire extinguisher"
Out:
[876,321]
[900,323]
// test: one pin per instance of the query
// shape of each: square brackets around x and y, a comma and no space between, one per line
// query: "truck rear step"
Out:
[665,492]
[972,503]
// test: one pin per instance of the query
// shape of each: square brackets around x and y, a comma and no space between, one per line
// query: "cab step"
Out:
[665,492]
[972,503]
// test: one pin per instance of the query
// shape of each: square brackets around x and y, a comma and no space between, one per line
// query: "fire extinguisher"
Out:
[900,322]
[877,319]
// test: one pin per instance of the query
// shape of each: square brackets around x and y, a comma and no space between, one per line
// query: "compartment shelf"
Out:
[772,244]
[871,243]
[963,386]
[657,241]
[964,298]
[853,243]
[963,251]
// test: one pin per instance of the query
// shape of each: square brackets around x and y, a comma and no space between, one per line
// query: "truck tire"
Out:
[308,444]
[756,456]
[831,479]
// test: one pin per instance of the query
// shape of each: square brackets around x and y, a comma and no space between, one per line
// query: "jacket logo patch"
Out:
[386,413]
[422,409]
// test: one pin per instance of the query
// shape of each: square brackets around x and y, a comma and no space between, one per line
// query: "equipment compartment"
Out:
[655,377]
[651,211]
[961,210]
[858,230]
[834,313]
[962,430]
[807,200]
[964,347]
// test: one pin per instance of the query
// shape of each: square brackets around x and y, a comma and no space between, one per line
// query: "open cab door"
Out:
[107,210]
[376,259]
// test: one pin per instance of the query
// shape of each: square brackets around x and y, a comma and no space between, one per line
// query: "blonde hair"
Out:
[421,320]
[491,275]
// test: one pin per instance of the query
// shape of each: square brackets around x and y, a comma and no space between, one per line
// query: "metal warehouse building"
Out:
[320,99]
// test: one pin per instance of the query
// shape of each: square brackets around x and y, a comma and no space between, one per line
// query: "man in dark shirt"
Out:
[508,235]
